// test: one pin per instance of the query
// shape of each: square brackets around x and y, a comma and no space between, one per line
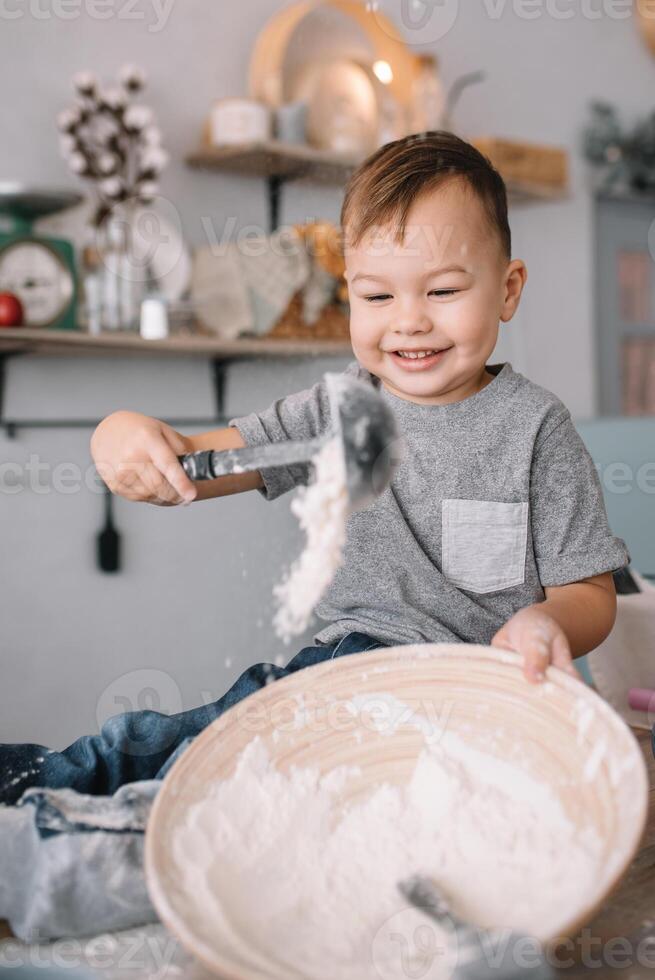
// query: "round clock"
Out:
[40,278]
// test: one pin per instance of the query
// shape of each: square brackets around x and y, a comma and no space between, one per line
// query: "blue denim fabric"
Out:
[142,745]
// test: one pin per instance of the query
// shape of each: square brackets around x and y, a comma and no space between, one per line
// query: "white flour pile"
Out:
[322,510]
[275,874]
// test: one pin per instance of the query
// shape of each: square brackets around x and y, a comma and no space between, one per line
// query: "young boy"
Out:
[493,529]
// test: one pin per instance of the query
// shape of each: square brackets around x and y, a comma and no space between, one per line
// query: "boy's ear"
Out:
[515,279]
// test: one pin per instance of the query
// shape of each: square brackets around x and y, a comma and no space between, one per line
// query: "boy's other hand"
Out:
[540,639]
[136,456]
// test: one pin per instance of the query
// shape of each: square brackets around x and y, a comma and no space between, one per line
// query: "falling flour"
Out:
[322,510]
[282,878]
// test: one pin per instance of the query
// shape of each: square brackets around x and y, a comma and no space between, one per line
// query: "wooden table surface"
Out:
[615,944]
[629,913]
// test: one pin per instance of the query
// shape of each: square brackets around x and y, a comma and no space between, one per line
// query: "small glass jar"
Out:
[124,274]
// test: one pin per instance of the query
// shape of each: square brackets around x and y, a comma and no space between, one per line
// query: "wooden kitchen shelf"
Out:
[275,159]
[286,161]
[28,340]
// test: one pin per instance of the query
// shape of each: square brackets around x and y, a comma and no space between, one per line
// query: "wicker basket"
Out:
[526,163]
[333,323]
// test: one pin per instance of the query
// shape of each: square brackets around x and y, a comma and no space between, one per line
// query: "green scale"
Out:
[38,269]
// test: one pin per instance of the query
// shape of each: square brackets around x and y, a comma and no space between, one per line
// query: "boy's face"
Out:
[444,289]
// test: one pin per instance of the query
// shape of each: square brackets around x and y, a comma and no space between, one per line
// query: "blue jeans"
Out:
[140,745]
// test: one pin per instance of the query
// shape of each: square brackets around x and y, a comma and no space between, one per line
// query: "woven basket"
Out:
[333,323]
[527,163]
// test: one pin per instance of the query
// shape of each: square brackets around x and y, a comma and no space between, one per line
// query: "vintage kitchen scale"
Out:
[39,269]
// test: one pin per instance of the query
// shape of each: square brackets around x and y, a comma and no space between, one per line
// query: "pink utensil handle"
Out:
[641,698]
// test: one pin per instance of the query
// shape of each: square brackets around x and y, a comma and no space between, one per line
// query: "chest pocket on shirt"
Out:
[483,543]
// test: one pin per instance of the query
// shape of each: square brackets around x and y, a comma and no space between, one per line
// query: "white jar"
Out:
[154,319]
[239,121]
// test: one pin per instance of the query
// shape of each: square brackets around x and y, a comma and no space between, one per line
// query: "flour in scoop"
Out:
[322,511]
[282,878]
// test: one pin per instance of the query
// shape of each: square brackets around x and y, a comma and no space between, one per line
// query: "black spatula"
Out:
[108,541]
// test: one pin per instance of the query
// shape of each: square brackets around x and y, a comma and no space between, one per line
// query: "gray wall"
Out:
[193,604]
[197,581]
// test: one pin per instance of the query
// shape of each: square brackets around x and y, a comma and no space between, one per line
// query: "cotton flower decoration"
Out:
[108,163]
[137,117]
[153,160]
[106,130]
[67,144]
[114,98]
[85,83]
[151,135]
[78,163]
[149,191]
[112,188]
[68,119]
[132,78]
[111,141]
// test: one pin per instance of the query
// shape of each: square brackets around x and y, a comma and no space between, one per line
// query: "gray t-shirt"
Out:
[496,497]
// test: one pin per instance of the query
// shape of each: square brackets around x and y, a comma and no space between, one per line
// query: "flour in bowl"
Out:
[284,880]
[322,511]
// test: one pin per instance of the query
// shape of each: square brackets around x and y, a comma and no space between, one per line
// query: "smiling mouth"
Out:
[417,355]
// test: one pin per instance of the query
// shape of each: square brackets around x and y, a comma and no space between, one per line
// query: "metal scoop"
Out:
[482,954]
[364,423]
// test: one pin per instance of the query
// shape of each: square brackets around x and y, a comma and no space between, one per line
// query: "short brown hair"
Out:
[384,188]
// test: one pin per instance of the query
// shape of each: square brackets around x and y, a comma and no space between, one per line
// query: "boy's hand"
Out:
[136,456]
[540,639]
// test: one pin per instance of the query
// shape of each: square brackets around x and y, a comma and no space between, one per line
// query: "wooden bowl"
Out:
[561,731]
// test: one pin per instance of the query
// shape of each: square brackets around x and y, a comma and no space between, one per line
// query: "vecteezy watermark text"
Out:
[155,13]
[562,9]
[66,477]
[428,21]
[132,954]
[43,478]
